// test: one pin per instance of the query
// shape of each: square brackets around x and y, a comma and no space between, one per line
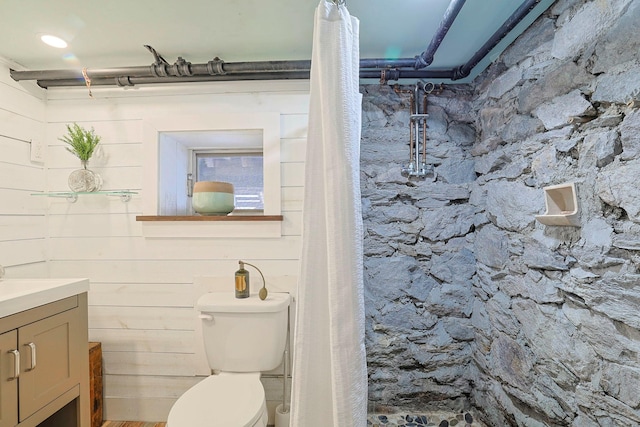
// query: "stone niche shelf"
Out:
[562,205]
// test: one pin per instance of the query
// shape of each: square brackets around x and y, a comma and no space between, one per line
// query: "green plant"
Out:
[82,142]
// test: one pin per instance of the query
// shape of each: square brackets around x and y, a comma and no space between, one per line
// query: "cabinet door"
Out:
[8,381]
[51,349]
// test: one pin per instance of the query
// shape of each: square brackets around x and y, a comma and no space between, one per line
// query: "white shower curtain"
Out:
[329,364]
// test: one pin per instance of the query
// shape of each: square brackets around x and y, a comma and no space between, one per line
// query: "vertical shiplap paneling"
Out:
[142,293]
[22,216]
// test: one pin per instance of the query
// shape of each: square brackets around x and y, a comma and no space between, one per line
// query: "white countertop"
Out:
[18,295]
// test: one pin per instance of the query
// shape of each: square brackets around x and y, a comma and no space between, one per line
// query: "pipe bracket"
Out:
[389,74]
[124,81]
[159,70]
[215,67]
[182,67]
[460,73]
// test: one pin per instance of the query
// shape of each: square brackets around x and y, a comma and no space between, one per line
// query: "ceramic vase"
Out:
[213,197]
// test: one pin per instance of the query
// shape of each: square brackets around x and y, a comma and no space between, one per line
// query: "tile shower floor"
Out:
[437,419]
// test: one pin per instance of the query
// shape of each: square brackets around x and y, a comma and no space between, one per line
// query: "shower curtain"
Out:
[329,364]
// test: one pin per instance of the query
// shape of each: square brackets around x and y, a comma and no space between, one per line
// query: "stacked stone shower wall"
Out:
[557,309]
[470,301]
[419,259]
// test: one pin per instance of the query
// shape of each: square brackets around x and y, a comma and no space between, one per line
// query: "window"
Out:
[216,155]
[243,169]
[169,144]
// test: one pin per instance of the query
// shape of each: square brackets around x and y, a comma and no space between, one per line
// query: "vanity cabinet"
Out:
[8,383]
[44,365]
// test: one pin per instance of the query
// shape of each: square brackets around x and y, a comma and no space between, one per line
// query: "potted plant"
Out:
[82,144]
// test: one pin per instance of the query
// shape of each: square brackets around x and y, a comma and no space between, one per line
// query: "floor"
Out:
[438,419]
[131,424]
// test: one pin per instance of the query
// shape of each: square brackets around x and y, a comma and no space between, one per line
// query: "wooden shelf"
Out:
[212,218]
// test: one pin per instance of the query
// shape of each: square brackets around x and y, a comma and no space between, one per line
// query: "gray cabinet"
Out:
[44,365]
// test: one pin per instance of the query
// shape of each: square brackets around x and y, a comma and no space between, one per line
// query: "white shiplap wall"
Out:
[22,216]
[142,289]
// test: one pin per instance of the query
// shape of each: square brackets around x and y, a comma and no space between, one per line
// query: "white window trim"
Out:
[268,123]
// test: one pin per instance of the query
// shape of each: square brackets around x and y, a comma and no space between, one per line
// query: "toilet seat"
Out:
[224,400]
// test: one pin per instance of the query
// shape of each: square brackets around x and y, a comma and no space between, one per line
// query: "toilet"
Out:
[242,338]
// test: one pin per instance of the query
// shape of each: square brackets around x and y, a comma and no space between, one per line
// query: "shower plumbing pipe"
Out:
[417,166]
[128,76]
[399,91]
[218,70]
[124,81]
[426,58]
[216,66]
[516,17]
[265,70]
[416,124]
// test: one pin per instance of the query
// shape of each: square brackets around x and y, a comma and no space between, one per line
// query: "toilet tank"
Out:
[243,334]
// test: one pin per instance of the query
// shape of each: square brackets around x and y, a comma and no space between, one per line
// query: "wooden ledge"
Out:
[198,218]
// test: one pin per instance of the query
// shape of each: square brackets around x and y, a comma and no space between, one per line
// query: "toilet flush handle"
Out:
[205,316]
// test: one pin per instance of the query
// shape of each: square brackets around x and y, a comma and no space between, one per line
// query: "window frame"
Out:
[224,152]
[267,123]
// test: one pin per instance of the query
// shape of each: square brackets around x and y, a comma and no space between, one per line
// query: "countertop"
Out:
[18,295]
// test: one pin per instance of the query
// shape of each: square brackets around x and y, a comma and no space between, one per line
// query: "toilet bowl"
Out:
[242,338]
[224,400]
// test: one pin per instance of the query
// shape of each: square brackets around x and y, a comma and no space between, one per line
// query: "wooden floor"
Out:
[131,424]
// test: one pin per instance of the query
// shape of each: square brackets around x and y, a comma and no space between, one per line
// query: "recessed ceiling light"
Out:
[54,41]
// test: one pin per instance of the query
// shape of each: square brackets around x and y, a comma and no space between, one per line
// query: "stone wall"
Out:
[471,302]
[556,309]
[419,257]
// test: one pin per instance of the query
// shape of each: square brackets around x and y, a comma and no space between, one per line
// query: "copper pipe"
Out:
[411,111]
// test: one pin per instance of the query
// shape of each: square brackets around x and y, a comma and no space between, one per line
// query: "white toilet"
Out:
[242,338]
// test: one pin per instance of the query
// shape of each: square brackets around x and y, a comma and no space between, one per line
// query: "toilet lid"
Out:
[220,400]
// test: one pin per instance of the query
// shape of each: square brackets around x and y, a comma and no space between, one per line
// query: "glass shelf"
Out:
[72,197]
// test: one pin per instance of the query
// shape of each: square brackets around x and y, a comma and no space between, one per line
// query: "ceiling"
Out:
[104,34]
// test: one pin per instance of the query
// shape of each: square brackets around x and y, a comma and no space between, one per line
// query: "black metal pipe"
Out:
[223,68]
[77,74]
[218,70]
[213,71]
[388,63]
[397,74]
[426,58]
[125,81]
[214,67]
[271,70]
[508,25]
[265,66]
